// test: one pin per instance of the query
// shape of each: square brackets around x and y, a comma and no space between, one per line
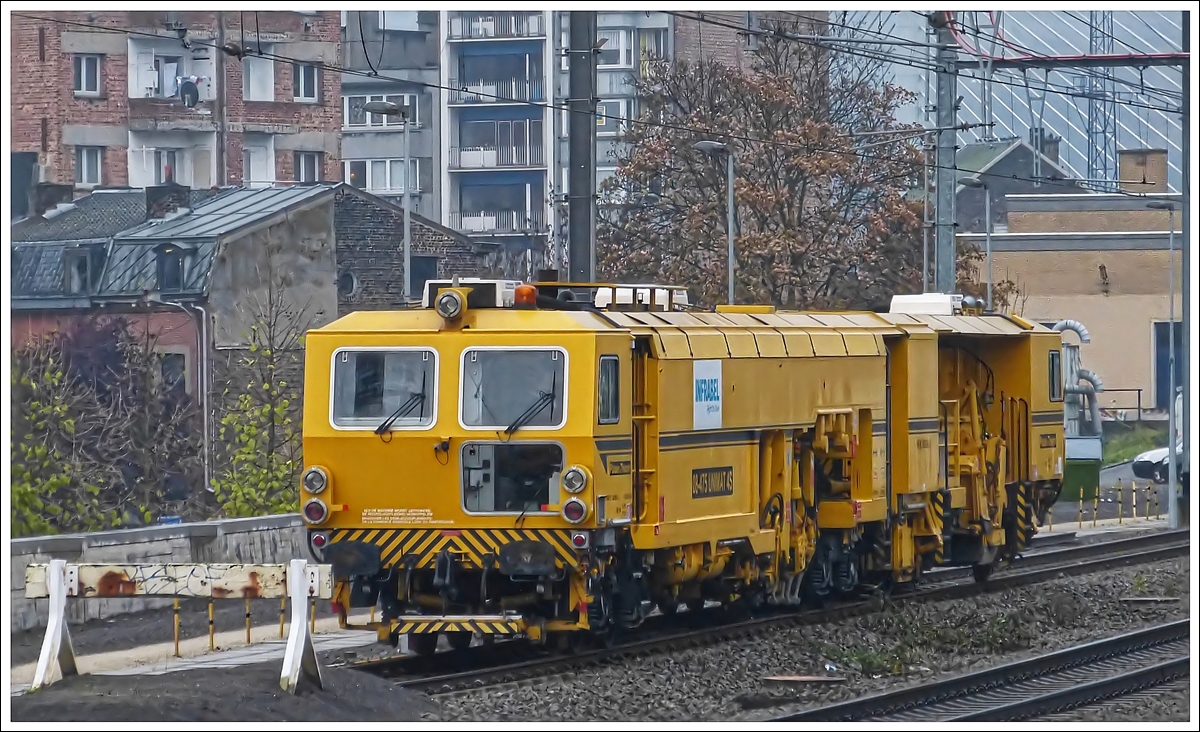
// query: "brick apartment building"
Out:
[98,107]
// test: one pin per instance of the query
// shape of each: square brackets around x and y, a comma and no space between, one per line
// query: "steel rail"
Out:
[477,667]
[1077,676]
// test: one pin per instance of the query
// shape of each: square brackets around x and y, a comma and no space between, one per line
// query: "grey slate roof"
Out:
[132,265]
[37,269]
[98,215]
[225,214]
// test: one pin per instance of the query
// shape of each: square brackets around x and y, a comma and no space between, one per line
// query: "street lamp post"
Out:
[1172,469]
[392,109]
[716,148]
[987,227]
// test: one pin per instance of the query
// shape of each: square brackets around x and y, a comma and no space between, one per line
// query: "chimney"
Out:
[1049,143]
[161,201]
[1142,170]
[45,196]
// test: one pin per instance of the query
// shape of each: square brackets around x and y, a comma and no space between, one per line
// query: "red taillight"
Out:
[315,511]
[574,510]
[579,540]
[318,540]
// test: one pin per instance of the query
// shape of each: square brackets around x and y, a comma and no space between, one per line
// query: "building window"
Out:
[304,82]
[165,166]
[88,163]
[1162,362]
[173,372]
[618,51]
[354,116]
[87,74]
[347,283]
[167,70]
[609,390]
[76,273]
[611,116]
[308,167]
[1056,376]
[381,176]
[258,78]
[652,45]
[400,20]
[170,269]
[423,269]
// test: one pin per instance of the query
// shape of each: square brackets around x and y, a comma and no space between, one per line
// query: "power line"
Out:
[888,57]
[809,148]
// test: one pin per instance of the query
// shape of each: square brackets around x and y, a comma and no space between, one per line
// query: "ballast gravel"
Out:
[901,645]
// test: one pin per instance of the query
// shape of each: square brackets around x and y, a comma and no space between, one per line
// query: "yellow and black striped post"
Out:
[312,615]
[939,514]
[175,611]
[282,611]
[1133,490]
[1095,505]
[1081,507]
[1120,502]
[1024,517]
[247,621]
[212,641]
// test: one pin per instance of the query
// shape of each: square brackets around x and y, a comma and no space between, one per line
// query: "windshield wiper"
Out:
[544,400]
[405,409]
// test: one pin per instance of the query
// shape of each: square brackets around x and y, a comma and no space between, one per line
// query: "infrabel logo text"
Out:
[708,390]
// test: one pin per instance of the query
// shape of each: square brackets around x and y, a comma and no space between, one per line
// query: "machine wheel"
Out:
[423,644]
[459,640]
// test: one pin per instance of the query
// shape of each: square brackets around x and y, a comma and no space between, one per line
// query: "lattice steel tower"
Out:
[1102,102]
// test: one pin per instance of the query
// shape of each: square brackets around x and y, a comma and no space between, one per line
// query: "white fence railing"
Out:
[299,581]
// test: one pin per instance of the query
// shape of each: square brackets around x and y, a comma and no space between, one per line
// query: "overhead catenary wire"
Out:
[888,57]
[807,147]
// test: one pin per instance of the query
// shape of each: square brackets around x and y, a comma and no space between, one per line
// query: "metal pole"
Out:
[987,227]
[581,147]
[946,107]
[1185,242]
[407,233]
[1172,456]
[729,218]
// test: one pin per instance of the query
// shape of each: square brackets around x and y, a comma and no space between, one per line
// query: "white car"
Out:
[1152,464]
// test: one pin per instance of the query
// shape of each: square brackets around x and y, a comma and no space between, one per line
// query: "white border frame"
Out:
[462,375]
[462,478]
[386,349]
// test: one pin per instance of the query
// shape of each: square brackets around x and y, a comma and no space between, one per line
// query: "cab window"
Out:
[609,390]
[374,386]
[510,389]
[1056,376]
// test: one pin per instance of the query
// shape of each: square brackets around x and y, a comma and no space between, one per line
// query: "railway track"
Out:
[1079,676]
[508,662]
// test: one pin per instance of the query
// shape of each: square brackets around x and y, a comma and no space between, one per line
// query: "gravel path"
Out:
[899,646]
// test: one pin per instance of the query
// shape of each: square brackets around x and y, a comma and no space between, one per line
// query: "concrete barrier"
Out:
[260,540]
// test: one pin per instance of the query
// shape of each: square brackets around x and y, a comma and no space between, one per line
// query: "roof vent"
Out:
[930,303]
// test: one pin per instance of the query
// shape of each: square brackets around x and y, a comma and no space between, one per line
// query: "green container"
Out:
[1080,476]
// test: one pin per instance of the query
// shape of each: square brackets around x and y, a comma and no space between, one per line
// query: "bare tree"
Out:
[825,216]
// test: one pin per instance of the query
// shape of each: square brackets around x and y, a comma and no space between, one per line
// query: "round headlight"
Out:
[315,511]
[574,480]
[315,480]
[448,305]
[574,510]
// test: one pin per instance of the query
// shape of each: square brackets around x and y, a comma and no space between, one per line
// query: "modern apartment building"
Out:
[174,98]
[488,150]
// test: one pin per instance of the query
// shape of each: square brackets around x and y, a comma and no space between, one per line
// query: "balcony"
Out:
[499,91]
[489,26]
[487,157]
[499,222]
[157,114]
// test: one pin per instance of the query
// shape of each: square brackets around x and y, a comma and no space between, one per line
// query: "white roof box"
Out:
[485,293]
[929,303]
[625,295]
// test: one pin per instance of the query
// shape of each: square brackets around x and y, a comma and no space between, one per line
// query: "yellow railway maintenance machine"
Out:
[507,461]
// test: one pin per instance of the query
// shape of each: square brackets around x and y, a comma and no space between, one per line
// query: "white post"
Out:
[729,217]
[300,658]
[1172,471]
[408,184]
[987,213]
[57,644]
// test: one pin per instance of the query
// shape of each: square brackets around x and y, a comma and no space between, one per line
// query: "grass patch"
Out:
[1126,445]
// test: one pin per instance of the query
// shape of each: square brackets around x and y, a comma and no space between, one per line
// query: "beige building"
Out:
[1102,259]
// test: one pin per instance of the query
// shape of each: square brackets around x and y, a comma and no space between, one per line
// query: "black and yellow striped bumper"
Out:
[418,548]
[487,625]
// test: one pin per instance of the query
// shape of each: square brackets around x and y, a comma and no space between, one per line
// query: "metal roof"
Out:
[224,214]
[98,215]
